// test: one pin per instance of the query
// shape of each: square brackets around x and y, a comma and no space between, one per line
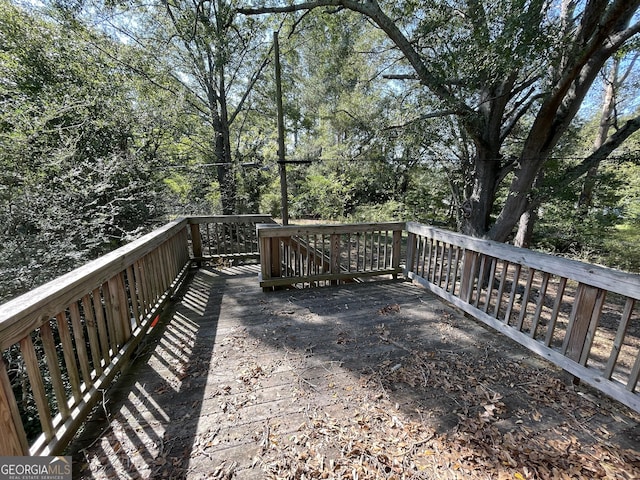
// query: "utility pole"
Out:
[281,156]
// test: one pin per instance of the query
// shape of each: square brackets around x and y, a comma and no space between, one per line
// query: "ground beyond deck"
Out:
[370,380]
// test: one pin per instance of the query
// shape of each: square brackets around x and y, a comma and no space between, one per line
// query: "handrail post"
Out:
[13,441]
[583,322]
[196,242]
[270,258]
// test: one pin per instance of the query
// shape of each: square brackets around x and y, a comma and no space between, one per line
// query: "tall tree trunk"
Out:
[606,120]
[525,228]
[477,207]
[528,220]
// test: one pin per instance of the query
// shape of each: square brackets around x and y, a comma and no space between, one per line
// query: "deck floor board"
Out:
[238,383]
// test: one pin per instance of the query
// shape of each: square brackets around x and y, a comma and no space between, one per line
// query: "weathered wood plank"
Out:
[449,266]
[512,296]
[481,274]
[468,274]
[396,248]
[198,219]
[134,295]
[500,293]
[593,325]
[141,286]
[344,276]
[103,332]
[579,321]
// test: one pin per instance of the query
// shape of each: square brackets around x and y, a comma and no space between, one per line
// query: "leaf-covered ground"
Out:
[377,439]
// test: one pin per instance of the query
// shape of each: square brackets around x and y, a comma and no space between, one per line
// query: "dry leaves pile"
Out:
[376,438]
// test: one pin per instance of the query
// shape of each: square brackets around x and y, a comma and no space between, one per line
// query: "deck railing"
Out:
[226,236]
[85,325]
[582,317]
[311,255]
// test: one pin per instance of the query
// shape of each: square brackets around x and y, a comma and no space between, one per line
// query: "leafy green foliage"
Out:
[77,150]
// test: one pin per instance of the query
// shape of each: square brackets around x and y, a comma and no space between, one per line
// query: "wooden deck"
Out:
[369,380]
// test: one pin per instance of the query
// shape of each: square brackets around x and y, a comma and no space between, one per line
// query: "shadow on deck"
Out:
[371,380]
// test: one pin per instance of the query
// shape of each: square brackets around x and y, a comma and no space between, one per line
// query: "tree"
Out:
[608,120]
[514,74]
[78,150]
[216,56]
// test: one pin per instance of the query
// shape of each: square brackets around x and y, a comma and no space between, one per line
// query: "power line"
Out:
[626,156]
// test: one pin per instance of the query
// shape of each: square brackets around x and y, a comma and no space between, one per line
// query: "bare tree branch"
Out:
[442,113]
[613,142]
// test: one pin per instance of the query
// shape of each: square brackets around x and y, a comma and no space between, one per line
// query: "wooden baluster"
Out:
[512,296]
[378,250]
[134,294]
[525,298]
[51,356]
[441,269]
[456,268]
[503,281]
[103,331]
[396,252]
[412,254]
[556,310]
[469,260]
[619,340]
[37,386]
[372,253]
[69,356]
[335,256]
[539,304]
[114,314]
[152,277]
[92,330]
[143,296]
[13,440]
[80,343]
[434,271]
[490,280]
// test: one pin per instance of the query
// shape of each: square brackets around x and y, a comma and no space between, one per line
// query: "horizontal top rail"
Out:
[265,231]
[230,219]
[627,284]
[22,315]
